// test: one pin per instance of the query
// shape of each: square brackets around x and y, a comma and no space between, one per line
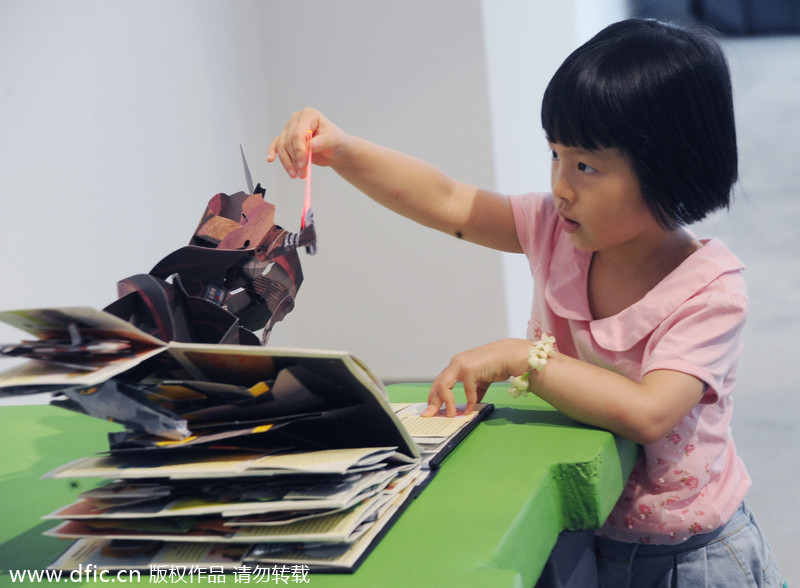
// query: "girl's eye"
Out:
[555,155]
[585,168]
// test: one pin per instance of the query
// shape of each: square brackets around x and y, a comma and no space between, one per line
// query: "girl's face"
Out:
[599,199]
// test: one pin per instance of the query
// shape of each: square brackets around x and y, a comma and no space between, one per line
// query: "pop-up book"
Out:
[267,455]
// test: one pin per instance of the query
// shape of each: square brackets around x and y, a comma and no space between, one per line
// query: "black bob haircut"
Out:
[661,94]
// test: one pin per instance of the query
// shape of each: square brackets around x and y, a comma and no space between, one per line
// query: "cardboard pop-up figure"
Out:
[239,273]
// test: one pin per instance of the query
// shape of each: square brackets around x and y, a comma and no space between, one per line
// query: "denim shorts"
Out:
[736,554]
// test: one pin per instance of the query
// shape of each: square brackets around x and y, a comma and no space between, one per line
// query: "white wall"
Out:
[119,120]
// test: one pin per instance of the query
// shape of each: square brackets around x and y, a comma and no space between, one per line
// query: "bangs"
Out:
[583,107]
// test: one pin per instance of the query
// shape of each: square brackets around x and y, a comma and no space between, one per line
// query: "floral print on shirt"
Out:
[663,500]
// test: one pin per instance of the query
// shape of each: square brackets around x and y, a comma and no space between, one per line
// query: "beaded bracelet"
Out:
[538,354]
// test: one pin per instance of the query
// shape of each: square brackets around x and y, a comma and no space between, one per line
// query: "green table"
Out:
[489,518]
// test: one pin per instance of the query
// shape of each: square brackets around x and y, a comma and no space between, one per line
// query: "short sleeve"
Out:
[535,220]
[702,338]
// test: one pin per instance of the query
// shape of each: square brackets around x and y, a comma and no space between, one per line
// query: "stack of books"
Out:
[232,457]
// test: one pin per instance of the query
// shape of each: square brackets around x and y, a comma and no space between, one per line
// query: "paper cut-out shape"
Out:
[240,273]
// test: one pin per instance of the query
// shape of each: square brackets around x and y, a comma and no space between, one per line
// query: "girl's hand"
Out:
[476,369]
[291,145]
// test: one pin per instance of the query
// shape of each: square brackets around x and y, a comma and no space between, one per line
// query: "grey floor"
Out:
[761,228]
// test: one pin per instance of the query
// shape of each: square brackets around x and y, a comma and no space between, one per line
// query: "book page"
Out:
[410,416]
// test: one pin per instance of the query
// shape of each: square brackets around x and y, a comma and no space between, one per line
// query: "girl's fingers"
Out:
[471,391]
[442,393]
[291,145]
[477,396]
[306,129]
[434,406]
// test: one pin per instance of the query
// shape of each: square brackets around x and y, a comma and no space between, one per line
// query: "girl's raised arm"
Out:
[399,182]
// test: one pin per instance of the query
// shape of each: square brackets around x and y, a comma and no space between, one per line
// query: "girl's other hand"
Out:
[477,368]
[291,145]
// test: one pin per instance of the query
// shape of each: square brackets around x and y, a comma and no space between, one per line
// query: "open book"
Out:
[268,456]
[180,395]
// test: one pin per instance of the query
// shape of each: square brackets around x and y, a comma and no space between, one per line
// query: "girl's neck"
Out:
[622,276]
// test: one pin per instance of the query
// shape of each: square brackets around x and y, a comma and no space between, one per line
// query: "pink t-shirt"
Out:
[692,481]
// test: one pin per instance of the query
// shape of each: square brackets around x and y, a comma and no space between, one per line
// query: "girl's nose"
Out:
[562,189]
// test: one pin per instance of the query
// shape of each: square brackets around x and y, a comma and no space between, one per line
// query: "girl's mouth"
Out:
[569,225]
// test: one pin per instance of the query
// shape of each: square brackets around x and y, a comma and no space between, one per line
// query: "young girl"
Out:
[636,324]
